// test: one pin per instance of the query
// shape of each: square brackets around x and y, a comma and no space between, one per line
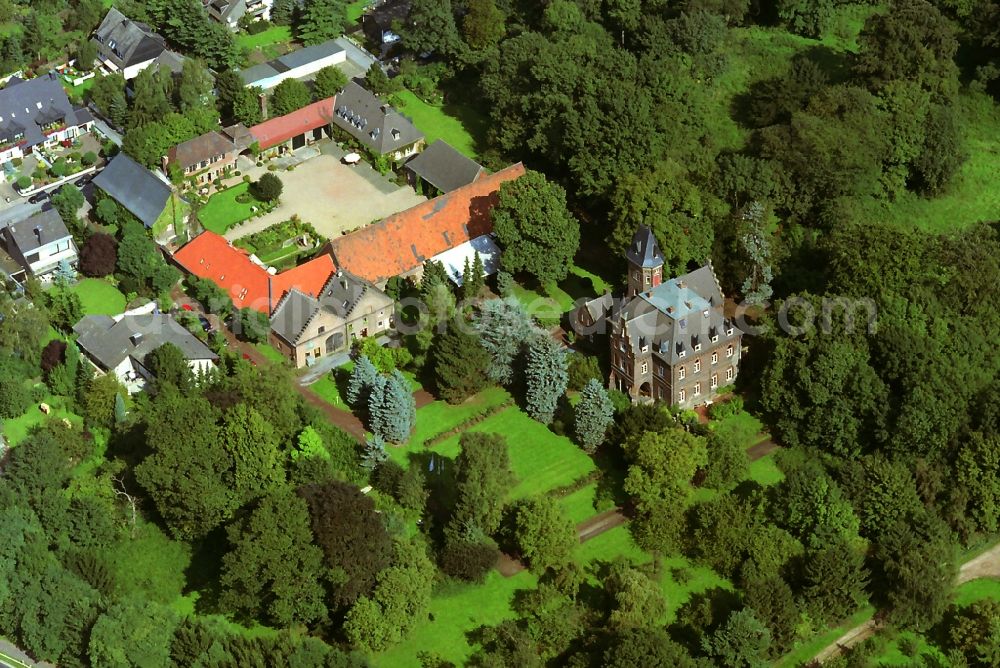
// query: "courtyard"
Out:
[335,198]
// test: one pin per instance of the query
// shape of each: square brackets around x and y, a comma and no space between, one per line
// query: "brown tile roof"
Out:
[405,240]
[193,151]
[278,130]
[248,284]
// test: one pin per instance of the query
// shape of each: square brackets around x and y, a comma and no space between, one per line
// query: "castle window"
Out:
[729,351]
[681,395]
[697,347]
[715,357]
[729,331]
[681,373]
[645,367]
[715,338]
[659,371]
[697,389]
[715,380]
[697,366]
[729,373]
[682,353]
[635,275]
[647,279]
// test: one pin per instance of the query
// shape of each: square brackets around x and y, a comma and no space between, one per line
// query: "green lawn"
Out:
[807,651]
[15,430]
[328,391]
[223,211]
[268,351]
[356,9]
[273,35]
[454,610]
[977,590]
[98,297]
[459,126]
[440,416]
[765,471]
[580,505]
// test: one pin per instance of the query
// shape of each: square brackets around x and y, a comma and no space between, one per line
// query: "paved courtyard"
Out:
[333,197]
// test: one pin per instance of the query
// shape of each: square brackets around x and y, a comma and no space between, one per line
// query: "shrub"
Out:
[469,561]
[726,409]
[23,182]
[53,355]
[88,159]
[99,255]
[583,368]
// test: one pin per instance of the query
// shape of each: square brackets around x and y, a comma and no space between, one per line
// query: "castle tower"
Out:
[645,262]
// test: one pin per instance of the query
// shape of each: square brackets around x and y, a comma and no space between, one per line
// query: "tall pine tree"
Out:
[594,415]
[503,327]
[459,360]
[362,379]
[547,374]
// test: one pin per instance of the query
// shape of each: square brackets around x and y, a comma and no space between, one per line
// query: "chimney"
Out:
[135,338]
[38,233]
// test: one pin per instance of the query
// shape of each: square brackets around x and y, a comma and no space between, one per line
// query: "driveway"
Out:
[335,198]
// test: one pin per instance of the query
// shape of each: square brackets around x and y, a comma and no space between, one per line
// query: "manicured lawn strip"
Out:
[273,35]
[977,590]
[270,353]
[223,211]
[579,506]
[16,430]
[454,610]
[328,391]
[356,9]
[892,655]
[436,123]
[808,650]
[98,297]
[440,416]
[765,472]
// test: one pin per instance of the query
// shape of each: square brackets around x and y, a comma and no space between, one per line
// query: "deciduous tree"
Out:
[544,535]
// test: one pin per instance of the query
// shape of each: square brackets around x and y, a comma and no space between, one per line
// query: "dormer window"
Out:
[715,338]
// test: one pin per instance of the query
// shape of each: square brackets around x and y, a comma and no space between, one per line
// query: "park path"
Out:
[986,565]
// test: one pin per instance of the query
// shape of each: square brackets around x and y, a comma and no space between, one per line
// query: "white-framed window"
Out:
[645,349]
[659,371]
[681,395]
[647,279]
[635,275]
[729,373]
[682,353]
[715,380]
[697,389]
[715,338]
[729,332]
[715,357]
[681,373]
[729,351]
[697,347]
[697,366]
[645,367]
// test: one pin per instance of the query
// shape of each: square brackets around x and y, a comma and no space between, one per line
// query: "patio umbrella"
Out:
[352,158]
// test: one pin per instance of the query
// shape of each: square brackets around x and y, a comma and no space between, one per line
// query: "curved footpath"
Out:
[986,565]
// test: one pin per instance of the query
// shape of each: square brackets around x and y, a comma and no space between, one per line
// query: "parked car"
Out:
[79,183]
[40,197]
[205,324]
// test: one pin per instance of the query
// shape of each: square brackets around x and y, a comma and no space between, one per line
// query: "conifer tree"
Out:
[503,327]
[594,415]
[397,412]
[546,374]
[359,384]
[459,360]
[374,453]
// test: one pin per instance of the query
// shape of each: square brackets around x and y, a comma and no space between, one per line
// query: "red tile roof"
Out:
[405,240]
[279,130]
[248,284]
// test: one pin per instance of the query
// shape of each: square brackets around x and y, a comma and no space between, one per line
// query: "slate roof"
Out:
[109,341]
[275,131]
[49,226]
[290,61]
[675,316]
[126,42]
[403,241]
[240,135]
[193,151]
[26,106]
[444,167]
[371,121]
[339,296]
[247,283]
[135,188]
[251,75]
[644,251]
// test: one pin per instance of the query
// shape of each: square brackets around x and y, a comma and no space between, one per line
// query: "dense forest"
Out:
[827,156]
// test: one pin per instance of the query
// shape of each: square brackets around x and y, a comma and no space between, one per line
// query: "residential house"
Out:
[230,12]
[306,327]
[120,344]
[375,125]
[295,130]
[205,158]
[145,195]
[670,341]
[439,168]
[39,244]
[127,46]
[379,22]
[400,244]
[298,64]
[37,112]
[247,281]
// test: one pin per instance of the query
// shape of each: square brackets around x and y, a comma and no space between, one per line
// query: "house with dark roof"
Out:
[298,64]
[121,344]
[400,244]
[39,244]
[378,22]
[142,193]
[670,341]
[203,158]
[37,112]
[378,127]
[247,281]
[441,168]
[295,130]
[229,12]
[126,46]
[306,327]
